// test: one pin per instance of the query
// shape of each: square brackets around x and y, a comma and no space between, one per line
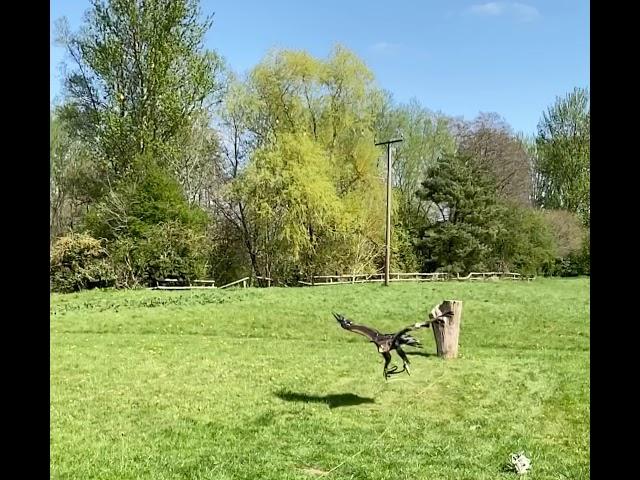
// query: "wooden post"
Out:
[446,331]
[387,236]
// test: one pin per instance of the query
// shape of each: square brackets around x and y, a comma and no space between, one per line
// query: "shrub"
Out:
[572,256]
[567,230]
[525,243]
[169,249]
[78,261]
[403,252]
[152,198]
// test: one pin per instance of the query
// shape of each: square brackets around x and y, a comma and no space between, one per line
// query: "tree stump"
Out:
[447,330]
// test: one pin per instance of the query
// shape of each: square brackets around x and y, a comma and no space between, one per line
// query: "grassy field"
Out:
[263,384]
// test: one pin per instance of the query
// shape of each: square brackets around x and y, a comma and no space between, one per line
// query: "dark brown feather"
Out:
[371,333]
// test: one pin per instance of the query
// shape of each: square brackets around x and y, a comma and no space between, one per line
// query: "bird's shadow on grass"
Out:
[333,400]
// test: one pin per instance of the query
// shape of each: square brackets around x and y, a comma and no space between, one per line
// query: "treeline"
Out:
[166,163]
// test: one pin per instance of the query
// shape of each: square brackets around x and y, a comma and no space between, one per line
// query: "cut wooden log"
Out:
[446,331]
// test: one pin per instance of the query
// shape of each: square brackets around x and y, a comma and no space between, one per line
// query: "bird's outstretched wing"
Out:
[370,333]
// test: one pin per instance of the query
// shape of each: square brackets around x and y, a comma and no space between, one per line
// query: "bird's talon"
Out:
[395,371]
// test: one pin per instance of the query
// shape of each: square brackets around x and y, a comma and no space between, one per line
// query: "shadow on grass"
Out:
[333,401]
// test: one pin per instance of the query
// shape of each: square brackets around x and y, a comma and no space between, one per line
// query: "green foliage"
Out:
[464,195]
[152,230]
[194,166]
[79,261]
[563,160]
[489,140]
[139,74]
[473,230]
[426,137]
[575,264]
[572,253]
[135,98]
[72,179]
[168,249]
[140,203]
[283,178]
[525,243]
[567,230]
[289,195]
[307,198]
[227,257]
[404,257]
[585,255]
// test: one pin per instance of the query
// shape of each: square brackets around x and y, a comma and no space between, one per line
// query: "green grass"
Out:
[263,383]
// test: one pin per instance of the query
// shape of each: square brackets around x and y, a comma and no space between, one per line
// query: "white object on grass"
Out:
[521,463]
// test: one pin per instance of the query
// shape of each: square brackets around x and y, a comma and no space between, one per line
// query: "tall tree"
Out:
[300,156]
[489,140]
[427,136]
[462,236]
[563,160]
[196,166]
[530,148]
[72,179]
[135,96]
[139,75]
[477,228]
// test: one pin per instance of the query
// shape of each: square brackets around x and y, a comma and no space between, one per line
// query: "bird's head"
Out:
[340,318]
[436,314]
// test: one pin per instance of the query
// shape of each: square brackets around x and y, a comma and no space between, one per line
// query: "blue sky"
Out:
[458,57]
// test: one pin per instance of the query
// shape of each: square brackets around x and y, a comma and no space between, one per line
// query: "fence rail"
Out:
[318,280]
[242,280]
[183,284]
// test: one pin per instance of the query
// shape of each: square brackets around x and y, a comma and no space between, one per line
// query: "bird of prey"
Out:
[386,342]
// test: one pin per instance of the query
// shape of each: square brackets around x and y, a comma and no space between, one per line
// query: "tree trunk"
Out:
[447,330]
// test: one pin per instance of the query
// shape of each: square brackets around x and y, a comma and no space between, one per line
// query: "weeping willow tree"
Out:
[304,189]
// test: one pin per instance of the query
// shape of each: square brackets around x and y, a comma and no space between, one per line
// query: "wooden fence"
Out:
[179,284]
[175,284]
[318,280]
